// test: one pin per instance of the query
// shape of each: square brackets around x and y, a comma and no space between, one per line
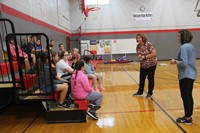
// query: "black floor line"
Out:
[130,76]
[158,105]
[32,122]
[168,115]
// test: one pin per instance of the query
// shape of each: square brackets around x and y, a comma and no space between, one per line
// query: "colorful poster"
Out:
[107,45]
[104,47]
[100,48]
[93,42]
[84,46]
[93,46]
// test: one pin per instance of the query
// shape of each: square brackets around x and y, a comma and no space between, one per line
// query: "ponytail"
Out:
[78,65]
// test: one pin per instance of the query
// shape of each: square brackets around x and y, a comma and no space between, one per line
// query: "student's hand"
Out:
[173,61]
[66,81]
[140,57]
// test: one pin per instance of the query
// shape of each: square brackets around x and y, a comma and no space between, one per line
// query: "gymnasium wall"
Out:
[165,43]
[53,12]
[118,16]
[30,16]
[115,21]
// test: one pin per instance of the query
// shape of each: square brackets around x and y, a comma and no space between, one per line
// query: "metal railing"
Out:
[23,85]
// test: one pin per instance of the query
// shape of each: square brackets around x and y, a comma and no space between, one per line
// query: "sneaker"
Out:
[149,96]
[184,120]
[92,115]
[138,94]
[69,100]
[93,106]
[63,105]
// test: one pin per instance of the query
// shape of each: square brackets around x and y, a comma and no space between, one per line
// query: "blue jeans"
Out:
[49,89]
[95,98]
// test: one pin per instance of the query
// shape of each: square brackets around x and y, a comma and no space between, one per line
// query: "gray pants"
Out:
[95,98]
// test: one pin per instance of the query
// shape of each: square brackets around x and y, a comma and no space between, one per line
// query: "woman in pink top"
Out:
[23,57]
[82,90]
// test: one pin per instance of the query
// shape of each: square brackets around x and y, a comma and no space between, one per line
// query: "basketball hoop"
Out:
[87,10]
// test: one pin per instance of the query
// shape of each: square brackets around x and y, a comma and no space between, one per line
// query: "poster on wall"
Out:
[105,46]
[84,46]
[93,46]
[100,47]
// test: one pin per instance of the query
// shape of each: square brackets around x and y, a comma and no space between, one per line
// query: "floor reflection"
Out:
[106,122]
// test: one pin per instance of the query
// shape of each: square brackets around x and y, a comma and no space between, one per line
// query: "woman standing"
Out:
[187,73]
[147,55]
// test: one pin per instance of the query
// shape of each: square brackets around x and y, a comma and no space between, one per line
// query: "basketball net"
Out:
[198,13]
[77,33]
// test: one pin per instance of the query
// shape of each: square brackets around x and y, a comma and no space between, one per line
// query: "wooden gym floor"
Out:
[120,112]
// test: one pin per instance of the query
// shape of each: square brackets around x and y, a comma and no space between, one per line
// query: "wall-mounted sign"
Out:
[143,16]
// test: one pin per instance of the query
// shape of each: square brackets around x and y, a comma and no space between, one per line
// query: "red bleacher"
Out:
[5,67]
[82,104]
[29,80]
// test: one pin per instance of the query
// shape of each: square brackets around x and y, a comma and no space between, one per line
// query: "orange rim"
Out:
[91,9]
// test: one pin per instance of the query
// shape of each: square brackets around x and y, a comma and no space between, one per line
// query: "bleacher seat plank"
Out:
[6,85]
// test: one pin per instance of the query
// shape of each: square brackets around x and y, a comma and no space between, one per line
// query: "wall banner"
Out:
[143,16]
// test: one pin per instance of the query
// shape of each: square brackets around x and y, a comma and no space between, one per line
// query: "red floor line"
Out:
[124,112]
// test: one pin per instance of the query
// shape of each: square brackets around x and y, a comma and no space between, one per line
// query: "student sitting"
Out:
[61,48]
[72,61]
[82,90]
[75,53]
[63,69]
[58,84]
[23,57]
[51,44]
[89,70]
[38,46]
[28,48]
[54,61]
